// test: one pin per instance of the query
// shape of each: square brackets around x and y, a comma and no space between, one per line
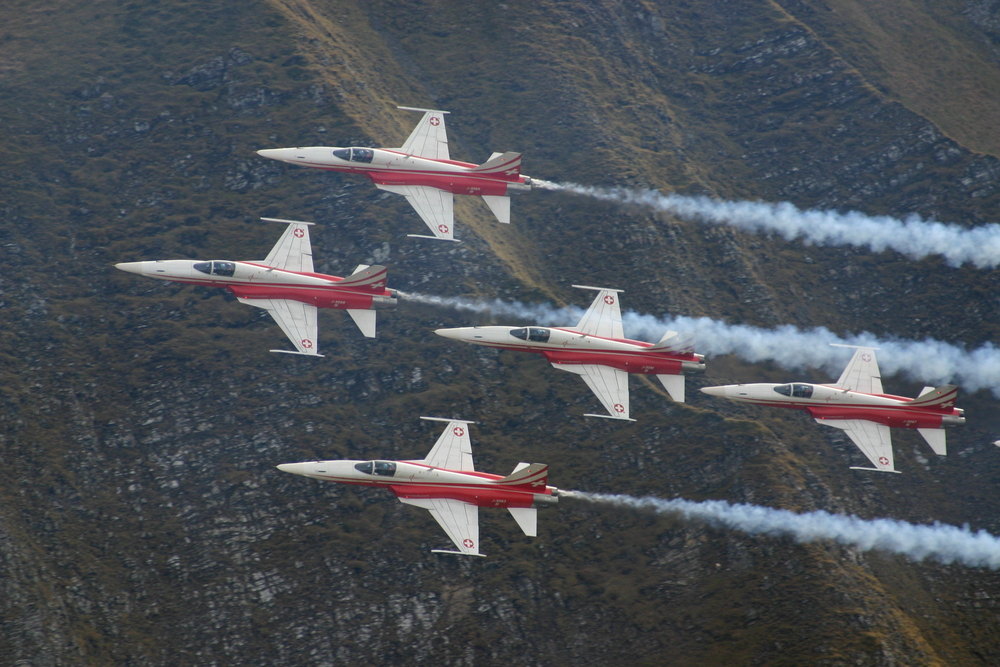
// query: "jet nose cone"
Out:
[276,153]
[130,267]
[293,468]
[454,334]
[720,391]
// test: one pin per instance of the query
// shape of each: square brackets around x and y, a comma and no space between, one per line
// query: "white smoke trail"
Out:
[788,346]
[944,543]
[914,237]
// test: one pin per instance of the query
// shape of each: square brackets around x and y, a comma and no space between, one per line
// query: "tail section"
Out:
[527,477]
[368,278]
[506,166]
[936,397]
[672,342]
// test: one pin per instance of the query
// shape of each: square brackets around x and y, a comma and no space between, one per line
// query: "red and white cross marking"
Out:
[443,228]
[883,460]
[468,543]
[435,121]
[299,232]
[866,357]
[608,299]
[458,431]
[306,343]
[619,408]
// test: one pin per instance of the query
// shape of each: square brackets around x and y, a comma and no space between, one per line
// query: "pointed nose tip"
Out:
[715,391]
[286,467]
[129,267]
[273,153]
[449,333]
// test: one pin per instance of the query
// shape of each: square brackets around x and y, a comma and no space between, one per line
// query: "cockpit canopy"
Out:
[355,154]
[536,334]
[383,468]
[796,390]
[216,268]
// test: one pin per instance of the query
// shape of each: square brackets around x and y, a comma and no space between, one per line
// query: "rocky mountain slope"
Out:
[141,518]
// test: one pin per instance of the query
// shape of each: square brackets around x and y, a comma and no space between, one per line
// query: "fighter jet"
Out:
[423,172]
[857,405]
[285,285]
[597,351]
[447,485]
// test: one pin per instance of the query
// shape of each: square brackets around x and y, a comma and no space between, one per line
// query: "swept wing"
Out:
[873,439]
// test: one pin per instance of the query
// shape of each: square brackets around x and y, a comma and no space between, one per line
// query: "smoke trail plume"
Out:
[914,237]
[788,346]
[940,542]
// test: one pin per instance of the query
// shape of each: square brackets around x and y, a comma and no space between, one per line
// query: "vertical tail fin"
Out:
[938,397]
[531,477]
[371,278]
[506,166]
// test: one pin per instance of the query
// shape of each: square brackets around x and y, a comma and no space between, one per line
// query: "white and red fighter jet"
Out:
[285,285]
[857,405]
[597,351]
[423,172]
[447,485]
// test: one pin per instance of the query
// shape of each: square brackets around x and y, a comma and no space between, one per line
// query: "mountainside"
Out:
[142,520]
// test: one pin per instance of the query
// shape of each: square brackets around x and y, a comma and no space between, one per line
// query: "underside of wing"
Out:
[296,319]
[460,520]
[874,440]
[435,207]
[862,373]
[604,317]
[610,385]
[293,251]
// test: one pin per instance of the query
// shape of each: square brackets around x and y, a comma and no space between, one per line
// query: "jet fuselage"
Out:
[392,167]
[250,280]
[567,346]
[829,402]
[415,479]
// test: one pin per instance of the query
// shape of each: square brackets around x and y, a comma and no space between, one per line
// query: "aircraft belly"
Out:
[479,496]
[630,363]
[319,297]
[886,417]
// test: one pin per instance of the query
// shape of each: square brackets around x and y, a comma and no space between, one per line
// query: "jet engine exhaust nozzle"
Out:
[952,420]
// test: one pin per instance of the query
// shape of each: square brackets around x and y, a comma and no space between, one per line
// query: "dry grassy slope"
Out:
[924,53]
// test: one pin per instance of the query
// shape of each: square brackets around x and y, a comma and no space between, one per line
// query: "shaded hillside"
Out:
[141,518]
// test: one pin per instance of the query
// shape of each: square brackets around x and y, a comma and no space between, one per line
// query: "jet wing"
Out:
[435,207]
[460,520]
[296,319]
[293,251]
[453,449]
[874,441]
[609,384]
[862,372]
[604,317]
[429,138]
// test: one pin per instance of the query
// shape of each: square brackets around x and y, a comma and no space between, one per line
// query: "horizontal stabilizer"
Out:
[875,469]
[674,384]
[527,519]
[936,438]
[500,205]
[365,319]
